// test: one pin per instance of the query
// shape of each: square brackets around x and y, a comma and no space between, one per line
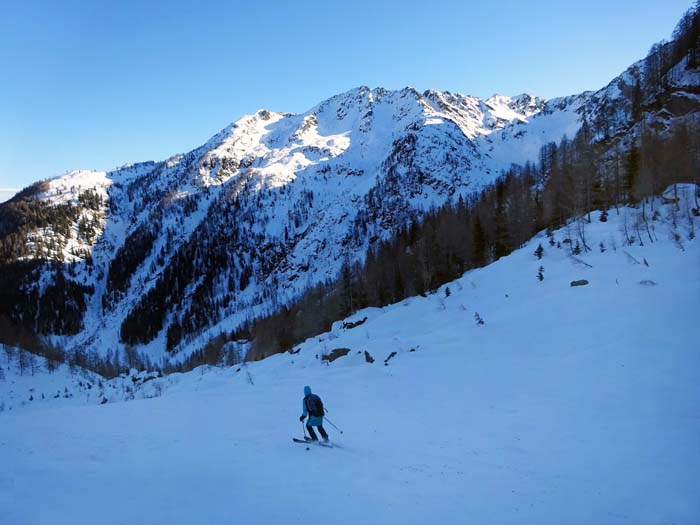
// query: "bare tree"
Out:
[23,361]
[33,365]
[9,353]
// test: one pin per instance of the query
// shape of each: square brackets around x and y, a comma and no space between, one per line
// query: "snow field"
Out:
[568,405]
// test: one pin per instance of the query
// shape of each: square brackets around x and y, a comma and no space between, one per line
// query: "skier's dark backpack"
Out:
[314,405]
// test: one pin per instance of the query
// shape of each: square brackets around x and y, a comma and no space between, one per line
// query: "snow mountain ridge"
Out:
[165,255]
[304,182]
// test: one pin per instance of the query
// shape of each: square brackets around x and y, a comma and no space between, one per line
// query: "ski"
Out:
[310,442]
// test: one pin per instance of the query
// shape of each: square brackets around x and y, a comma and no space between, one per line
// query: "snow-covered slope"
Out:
[567,405]
[31,382]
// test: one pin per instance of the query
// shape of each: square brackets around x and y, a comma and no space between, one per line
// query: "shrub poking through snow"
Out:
[335,354]
[349,325]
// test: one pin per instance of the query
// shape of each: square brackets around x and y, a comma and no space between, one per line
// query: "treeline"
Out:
[56,304]
[208,251]
[58,308]
[26,362]
[25,213]
[130,255]
[109,365]
[684,45]
[219,351]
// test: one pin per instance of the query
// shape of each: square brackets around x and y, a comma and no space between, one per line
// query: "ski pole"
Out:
[331,422]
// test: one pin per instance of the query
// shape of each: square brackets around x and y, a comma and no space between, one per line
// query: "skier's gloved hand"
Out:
[301,418]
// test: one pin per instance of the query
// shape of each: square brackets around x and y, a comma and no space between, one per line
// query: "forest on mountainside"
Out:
[570,181]
[594,170]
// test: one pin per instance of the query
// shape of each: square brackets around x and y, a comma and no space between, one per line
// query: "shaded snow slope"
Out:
[28,382]
[568,405]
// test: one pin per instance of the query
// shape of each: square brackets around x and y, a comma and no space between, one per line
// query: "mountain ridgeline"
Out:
[283,223]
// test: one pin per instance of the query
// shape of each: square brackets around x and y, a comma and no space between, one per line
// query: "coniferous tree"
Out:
[478,243]
[631,173]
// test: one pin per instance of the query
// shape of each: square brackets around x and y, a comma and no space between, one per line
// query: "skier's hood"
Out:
[307,390]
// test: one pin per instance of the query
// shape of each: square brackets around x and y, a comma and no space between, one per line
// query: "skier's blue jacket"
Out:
[314,421]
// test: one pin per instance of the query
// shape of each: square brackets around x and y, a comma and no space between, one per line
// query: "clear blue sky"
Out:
[95,84]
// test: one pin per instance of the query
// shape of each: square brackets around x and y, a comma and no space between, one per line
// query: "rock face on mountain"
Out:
[163,255]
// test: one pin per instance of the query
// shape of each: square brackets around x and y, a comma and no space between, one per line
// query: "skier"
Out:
[313,407]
